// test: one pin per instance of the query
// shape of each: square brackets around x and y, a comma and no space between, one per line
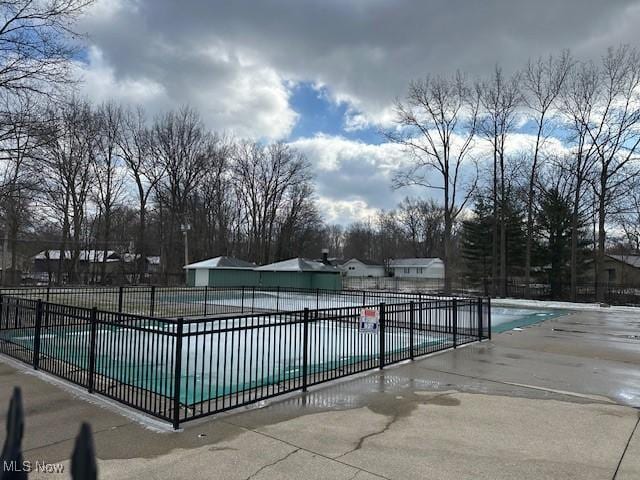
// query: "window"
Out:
[407,270]
[419,270]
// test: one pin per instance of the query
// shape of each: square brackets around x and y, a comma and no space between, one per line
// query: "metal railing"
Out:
[174,302]
[181,369]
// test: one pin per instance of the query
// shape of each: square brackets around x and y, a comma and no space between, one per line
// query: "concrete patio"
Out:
[557,400]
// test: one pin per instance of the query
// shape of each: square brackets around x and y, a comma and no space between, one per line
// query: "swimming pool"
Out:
[508,318]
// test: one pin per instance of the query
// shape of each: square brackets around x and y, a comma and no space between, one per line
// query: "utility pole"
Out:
[185,227]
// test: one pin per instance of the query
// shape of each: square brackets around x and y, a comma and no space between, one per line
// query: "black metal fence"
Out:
[613,293]
[182,369]
[174,302]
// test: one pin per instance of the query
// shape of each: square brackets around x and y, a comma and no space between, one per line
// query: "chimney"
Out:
[325,256]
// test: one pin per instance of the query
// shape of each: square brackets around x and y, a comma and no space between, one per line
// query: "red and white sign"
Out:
[369,320]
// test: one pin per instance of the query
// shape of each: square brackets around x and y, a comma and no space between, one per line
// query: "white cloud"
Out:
[345,211]
[100,83]
[364,56]
[353,179]
[130,61]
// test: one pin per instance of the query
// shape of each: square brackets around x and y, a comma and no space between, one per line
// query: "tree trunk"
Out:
[503,232]
[141,250]
[494,246]
[529,239]
[601,282]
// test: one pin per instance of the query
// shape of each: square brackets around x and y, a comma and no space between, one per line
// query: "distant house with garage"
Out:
[222,271]
[300,273]
[90,263]
[618,270]
[357,267]
[417,268]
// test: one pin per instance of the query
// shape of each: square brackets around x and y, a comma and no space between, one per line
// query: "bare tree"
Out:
[542,83]
[37,42]
[134,142]
[298,221]
[181,145]
[68,176]
[500,98]
[613,129]
[108,174]
[266,179]
[214,204]
[578,105]
[438,123]
[20,175]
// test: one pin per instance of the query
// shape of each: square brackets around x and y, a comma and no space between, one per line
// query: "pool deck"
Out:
[558,399]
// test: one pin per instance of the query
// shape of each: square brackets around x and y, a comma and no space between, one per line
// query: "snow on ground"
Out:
[514,302]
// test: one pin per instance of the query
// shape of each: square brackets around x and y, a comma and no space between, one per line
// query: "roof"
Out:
[369,263]
[332,260]
[413,262]
[633,260]
[298,265]
[133,257]
[222,262]
[84,255]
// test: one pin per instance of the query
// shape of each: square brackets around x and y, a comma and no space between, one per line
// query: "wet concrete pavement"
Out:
[559,399]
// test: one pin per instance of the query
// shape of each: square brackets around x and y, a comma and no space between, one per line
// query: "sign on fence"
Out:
[369,320]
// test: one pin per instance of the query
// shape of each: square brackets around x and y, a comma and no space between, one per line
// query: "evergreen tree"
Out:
[476,241]
[476,245]
[554,231]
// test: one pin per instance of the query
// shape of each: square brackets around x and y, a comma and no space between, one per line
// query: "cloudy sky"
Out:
[323,74]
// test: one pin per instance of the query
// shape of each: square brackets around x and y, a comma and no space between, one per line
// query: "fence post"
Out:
[242,301]
[92,349]
[480,319]
[120,294]
[253,299]
[489,317]
[412,311]
[364,298]
[305,346]
[177,374]
[36,335]
[206,295]
[152,306]
[317,299]
[381,333]
[278,298]
[454,303]
[2,311]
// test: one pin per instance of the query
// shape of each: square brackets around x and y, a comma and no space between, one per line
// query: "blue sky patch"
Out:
[318,114]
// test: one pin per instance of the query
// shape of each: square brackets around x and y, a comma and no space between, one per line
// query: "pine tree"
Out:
[476,245]
[476,242]
[554,231]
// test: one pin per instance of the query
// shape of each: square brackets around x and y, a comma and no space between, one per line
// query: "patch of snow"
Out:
[513,302]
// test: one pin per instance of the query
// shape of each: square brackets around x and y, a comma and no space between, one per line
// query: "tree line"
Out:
[106,177]
[577,173]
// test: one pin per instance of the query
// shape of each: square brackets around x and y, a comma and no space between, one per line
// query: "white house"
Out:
[362,268]
[220,271]
[422,268]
